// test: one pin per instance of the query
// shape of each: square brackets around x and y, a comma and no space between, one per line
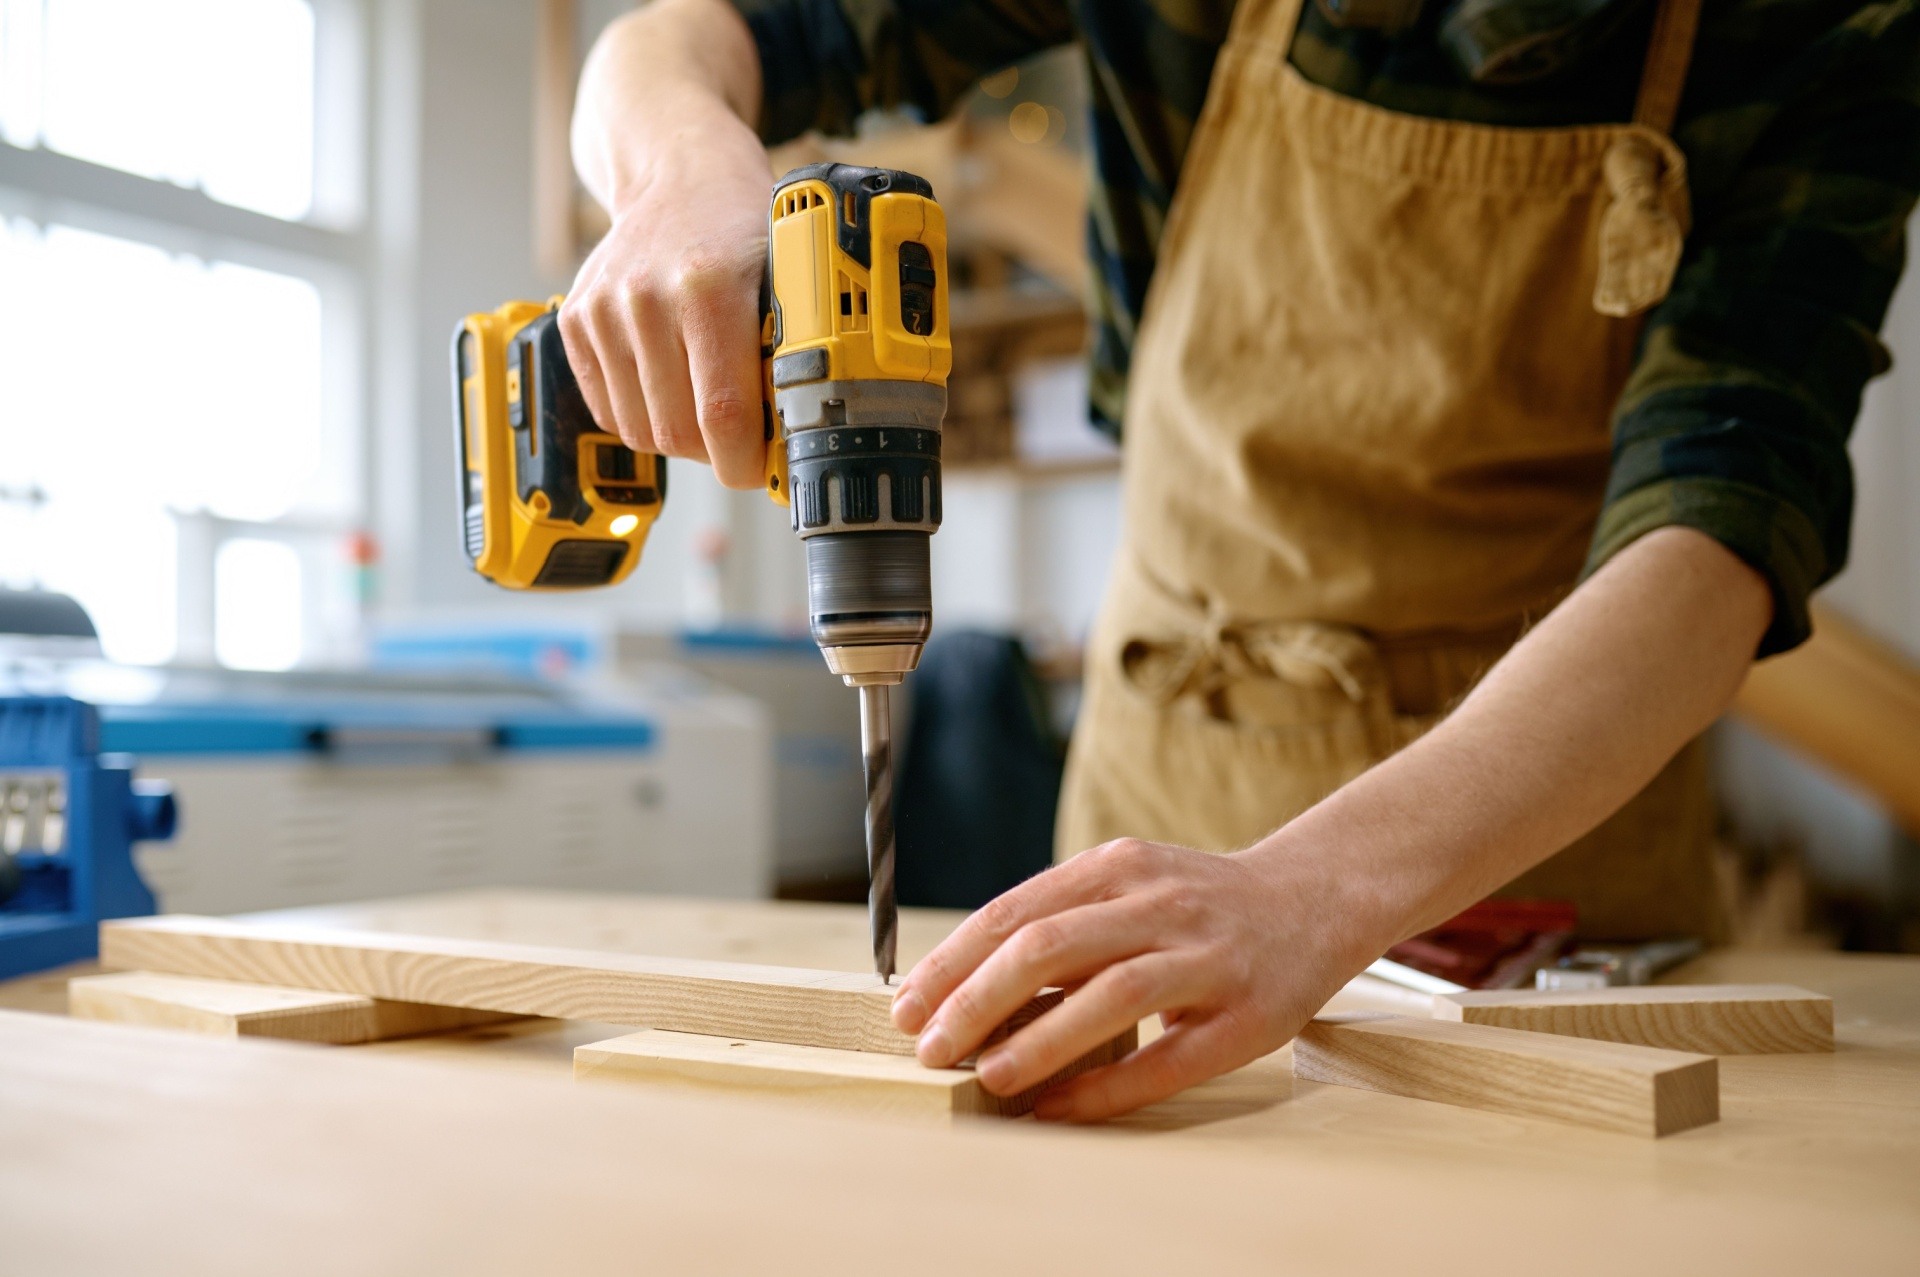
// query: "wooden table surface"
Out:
[126,1148]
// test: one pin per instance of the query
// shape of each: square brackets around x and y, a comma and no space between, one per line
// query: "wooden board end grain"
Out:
[842,1009]
[1732,1019]
[818,1077]
[1610,1085]
[225,1008]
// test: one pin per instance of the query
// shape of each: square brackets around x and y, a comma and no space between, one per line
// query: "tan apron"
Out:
[1367,441]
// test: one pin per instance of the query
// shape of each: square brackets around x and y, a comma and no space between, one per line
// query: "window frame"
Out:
[332,247]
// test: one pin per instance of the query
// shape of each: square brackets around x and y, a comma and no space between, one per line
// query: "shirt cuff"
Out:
[1771,536]
[805,49]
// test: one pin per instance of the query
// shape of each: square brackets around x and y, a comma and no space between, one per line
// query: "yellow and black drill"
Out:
[855,351]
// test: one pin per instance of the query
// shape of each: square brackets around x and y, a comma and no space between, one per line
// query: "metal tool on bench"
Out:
[1601,966]
[855,356]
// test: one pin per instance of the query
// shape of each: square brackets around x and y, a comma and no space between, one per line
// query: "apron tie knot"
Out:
[1221,650]
[1643,229]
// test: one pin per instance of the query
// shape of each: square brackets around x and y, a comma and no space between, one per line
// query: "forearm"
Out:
[675,73]
[1582,713]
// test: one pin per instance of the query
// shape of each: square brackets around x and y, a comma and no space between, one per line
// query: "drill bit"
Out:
[876,748]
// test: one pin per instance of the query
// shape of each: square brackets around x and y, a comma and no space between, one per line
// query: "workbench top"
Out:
[125,1149]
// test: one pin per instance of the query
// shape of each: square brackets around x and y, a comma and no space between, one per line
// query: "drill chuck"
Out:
[864,464]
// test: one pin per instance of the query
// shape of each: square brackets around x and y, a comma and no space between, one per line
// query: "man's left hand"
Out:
[1234,952]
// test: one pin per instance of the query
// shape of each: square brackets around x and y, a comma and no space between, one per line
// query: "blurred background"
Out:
[235,236]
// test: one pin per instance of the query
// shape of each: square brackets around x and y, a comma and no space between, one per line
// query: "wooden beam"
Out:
[556,248]
[1636,1089]
[226,1008]
[1727,1019]
[1849,701]
[817,1077]
[772,1004]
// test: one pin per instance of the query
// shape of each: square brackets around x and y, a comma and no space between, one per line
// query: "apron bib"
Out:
[1367,442]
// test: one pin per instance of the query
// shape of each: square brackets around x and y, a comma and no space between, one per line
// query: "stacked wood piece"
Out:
[825,1034]
[1622,1059]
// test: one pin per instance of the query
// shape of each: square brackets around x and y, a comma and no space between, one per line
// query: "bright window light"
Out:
[214,94]
[256,605]
[141,383]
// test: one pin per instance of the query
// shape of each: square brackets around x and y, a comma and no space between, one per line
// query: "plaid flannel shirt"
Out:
[1801,127]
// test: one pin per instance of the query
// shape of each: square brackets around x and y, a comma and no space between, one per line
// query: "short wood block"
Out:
[224,1008]
[820,1077]
[1729,1019]
[1637,1089]
[842,1009]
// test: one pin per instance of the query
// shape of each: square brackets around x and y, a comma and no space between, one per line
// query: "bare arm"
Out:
[662,324]
[1236,952]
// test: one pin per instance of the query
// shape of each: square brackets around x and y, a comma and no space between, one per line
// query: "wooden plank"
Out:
[1637,1089]
[226,1008]
[818,1077]
[556,247]
[771,1004]
[1728,1019]
[1850,701]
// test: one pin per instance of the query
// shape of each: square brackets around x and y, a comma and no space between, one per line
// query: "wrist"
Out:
[1364,911]
[702,144]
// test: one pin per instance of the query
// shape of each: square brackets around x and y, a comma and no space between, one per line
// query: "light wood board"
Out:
[1636,1089]
[227,1008]
[1738,1019]
[840,1009]
[817,1077]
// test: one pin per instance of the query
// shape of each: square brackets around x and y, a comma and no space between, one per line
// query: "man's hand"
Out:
[1234,952]
[662,326]
[1237,952]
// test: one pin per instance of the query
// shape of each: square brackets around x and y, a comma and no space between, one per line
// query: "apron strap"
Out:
[1664,76]
[1644,229]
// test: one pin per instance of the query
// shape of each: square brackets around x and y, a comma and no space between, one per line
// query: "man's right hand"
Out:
[662,326]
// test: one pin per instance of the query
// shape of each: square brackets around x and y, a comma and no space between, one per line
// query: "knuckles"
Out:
[726,412]
[1002,915]
[1039,943]
[1130,985]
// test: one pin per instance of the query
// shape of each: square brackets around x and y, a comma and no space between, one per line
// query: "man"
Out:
[1463,481]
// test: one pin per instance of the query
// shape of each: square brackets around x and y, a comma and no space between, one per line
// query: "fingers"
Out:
[1192,1051]
[1062,949]
[668,387]
[1091,876]
[583,357]
[1114,1000]
[600,331]
[665,344]
[722,334]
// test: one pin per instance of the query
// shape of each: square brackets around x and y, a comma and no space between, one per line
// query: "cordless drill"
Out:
[855,355]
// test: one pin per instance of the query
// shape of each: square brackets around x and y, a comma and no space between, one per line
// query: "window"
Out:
[212,94]
[178,447]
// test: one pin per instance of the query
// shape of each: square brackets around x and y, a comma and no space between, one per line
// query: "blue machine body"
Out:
[69,816]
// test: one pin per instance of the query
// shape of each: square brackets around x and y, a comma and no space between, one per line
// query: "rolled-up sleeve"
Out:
[825,62]
[1749,377]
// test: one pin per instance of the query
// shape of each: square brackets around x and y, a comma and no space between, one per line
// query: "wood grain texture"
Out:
[1740,1019]
[817,1077]
[784,933]
[226,1008]
[771,1004]
[1636,1089]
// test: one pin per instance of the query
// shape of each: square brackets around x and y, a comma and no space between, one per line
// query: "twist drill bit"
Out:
[876,747]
